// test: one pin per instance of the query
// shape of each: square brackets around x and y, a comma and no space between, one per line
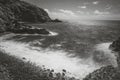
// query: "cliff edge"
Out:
[12,11]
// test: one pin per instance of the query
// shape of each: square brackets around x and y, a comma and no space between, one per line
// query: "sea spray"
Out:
[52,59]
[104,53]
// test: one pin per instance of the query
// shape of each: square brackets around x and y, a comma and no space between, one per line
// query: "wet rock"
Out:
[115,46]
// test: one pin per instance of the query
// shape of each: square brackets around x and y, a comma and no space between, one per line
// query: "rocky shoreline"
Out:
[12,12]
[108,72]
[26,29]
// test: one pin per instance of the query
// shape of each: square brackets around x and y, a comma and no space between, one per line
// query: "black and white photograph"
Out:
[59,39]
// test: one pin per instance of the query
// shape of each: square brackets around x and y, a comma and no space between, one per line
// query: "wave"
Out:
[103,52]
[58,59]
[52,59]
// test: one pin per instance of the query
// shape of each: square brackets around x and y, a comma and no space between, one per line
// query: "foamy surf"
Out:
[51,33]
[104,47]
[52,59]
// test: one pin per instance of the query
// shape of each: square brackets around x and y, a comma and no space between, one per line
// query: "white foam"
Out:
[53,33]
[36,34]
[108,53]
[55,59]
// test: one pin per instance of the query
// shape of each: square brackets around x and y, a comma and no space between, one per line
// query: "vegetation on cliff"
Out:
[104,73]
[12,68]
[13,11]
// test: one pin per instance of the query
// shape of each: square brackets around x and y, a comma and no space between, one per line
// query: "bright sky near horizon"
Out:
[80,9]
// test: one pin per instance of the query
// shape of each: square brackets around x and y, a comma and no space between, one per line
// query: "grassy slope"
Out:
[4,73]
[19,70]
[12,68]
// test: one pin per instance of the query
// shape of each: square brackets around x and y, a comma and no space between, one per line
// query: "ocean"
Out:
[78,47]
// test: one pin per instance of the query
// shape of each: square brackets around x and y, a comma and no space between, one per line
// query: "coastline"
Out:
[18,52]
[9,61]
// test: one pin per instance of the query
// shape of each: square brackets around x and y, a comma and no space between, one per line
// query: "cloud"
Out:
[86,3]
[97,12]
[80,12]
[62,14]
[108,7]
[83,7]
[67,11]
[69,15]
[96,2]
[46,10]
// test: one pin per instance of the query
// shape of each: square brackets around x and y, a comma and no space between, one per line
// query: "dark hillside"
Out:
[12,11]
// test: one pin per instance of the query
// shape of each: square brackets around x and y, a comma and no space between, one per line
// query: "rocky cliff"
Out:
[24,11]
[16,10]
[115,47]
[104,73]
[108,72]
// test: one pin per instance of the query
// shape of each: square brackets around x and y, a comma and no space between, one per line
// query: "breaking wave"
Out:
[52,59]
[58,59]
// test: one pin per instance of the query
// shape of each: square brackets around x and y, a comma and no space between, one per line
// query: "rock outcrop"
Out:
[16,10]
[25,29]
[26,12]
[104,73]
[108,72]
[56,20]
[115,47]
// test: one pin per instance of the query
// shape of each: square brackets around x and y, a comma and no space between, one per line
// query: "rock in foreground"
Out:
[104,73]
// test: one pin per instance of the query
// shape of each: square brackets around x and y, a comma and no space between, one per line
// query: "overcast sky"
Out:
[80,9]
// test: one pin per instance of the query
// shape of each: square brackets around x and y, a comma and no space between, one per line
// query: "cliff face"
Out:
[11,10]
[115,47]
[24,11]
[6,16]
[108,72]
[104,73]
